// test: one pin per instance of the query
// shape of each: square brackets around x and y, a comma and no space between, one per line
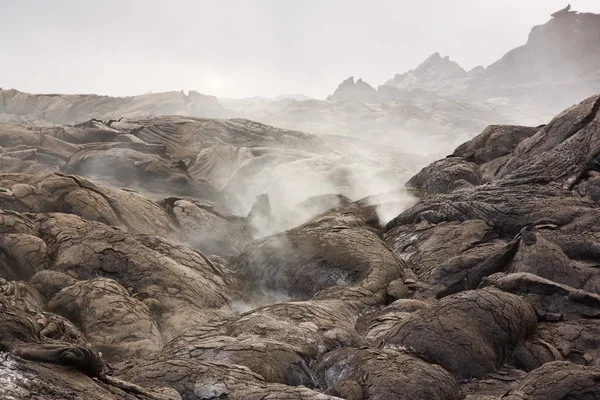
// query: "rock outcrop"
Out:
[435,70]
[356,91]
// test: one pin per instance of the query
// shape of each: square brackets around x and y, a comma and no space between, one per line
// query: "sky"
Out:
[245,48]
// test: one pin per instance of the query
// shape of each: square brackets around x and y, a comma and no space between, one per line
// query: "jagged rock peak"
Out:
[346,82]
[437,61]
[429,73]
[351,90]
[564,11]
[566,47]
[434,58]
[351,83]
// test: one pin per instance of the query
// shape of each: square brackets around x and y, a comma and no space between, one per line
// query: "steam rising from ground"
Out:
[283,182]
[299,189]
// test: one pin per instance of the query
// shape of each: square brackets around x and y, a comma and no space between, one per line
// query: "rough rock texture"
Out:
[36,364]
[167,278]
[120,326]
[204,380]
[384,374]
[143,280]
[333,250]
[469,334]
[559,380]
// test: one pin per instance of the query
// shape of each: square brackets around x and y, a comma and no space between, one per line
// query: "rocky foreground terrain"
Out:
[139,259]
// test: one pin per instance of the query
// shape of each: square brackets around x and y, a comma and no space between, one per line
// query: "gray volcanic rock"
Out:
[384,374]
[197,223]
[206,227]
[558,65]
[336,249]
[184,258]
[432,72]
[564,47]
[357,91]
[275,361]
[133,168]
[204,380]
[559,380]
[24,379]
[119,325]
[563,151]
[469,334]
[36,364]
[446,175]
[80,196]
[69,109]
[241,159]
[494,142]
[451,256]
[181,279]
[312,327]
[575,339]
[551,299]
[472,240]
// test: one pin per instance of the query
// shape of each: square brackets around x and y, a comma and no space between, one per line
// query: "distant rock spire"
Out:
[564,11]
[351,90]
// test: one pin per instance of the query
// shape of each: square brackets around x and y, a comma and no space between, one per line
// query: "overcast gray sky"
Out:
[243,48]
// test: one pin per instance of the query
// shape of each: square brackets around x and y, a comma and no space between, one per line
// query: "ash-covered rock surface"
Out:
[183,258]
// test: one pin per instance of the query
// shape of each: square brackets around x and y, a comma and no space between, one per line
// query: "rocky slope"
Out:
[432,73]
[560,57]
[557,66]
[127,273]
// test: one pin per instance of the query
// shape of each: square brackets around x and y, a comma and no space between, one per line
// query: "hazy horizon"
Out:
[241,49]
